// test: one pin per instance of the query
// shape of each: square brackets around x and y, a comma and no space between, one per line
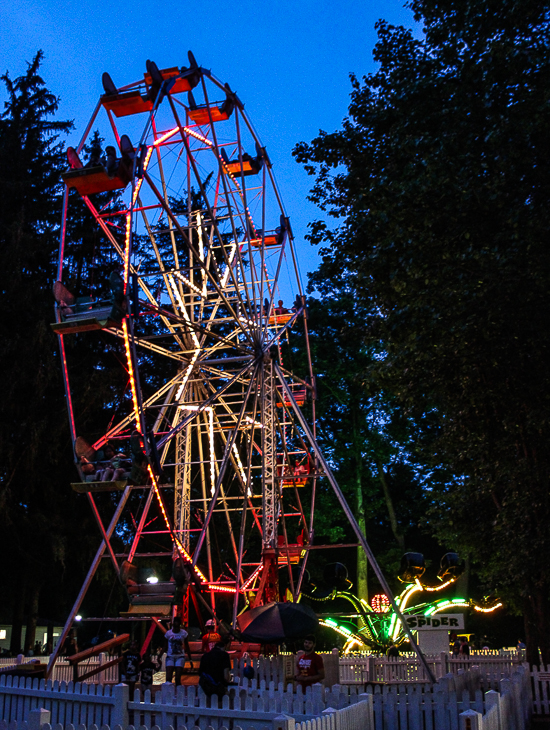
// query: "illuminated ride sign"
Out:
[449,621]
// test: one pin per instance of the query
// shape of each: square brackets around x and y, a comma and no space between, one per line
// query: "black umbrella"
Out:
[277,621]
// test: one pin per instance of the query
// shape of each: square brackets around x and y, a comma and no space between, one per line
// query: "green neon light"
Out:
[331,622]
[459,600]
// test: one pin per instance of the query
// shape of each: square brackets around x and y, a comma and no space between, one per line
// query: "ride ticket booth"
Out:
[432,632]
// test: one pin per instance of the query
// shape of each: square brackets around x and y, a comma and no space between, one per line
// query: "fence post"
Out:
[332,711]
[121,694]
[371,663]
[332,669]
[492,698]
[470,720]
[444,662]
[103,658]
[505,686]
[37,718]
[369,699]
[284,722]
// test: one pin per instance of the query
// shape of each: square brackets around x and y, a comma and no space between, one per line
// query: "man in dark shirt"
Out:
[214,671]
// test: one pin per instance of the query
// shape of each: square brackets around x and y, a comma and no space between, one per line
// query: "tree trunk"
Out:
[462,584]
[16,645]
[536,616]
[531,633]
[32,616]
[389,504]
[362,562]
[542,615]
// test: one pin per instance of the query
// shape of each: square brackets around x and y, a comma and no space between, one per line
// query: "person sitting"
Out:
[214,671]
[280,309]
[108,454]
[119,466]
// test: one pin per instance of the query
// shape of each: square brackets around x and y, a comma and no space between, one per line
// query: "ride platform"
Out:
[95,318]
[92,180]
[150,599]
[123,105]
[93,487]
[200,115]
[299,396]
[269,240]
[250,167]
[296,552]
[181,84]
[281,318]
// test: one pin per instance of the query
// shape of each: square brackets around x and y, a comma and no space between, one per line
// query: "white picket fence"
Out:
[94,704]
[63,669]
[511,709]
[345,670]
[541,690]
[359,669]
[455,699]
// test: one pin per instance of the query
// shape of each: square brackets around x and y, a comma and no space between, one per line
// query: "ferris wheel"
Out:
[211,447]
[203,298]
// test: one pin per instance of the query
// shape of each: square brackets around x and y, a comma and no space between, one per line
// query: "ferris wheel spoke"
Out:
[252,305]
[227,451]
[195,253]
[205,199]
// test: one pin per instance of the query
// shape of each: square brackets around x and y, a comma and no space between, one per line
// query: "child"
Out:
[147,671]
[131,660]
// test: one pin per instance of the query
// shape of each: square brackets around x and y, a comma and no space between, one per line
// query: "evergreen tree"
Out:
[39,516]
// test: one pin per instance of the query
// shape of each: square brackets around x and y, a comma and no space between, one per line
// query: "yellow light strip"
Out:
[221,589]
[225,277]
[430,589]
[488,610]
[252,577]
[131,372]
[414,588]
[185,280]
[191,132]
[186,376]
[183,309]
[241,469]
[140,182]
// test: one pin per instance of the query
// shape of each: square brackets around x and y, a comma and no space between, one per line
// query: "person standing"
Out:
[214,671]
[393,651]
[177,645]
[210,637]
[309,665]
[147,671]
[464,648]
[131,661]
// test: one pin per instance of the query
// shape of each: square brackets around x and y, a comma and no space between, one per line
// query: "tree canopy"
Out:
[439,183]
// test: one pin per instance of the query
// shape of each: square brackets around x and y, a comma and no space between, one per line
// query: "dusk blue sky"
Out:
[288,61]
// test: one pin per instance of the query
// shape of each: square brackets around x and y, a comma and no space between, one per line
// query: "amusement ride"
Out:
[212,444]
